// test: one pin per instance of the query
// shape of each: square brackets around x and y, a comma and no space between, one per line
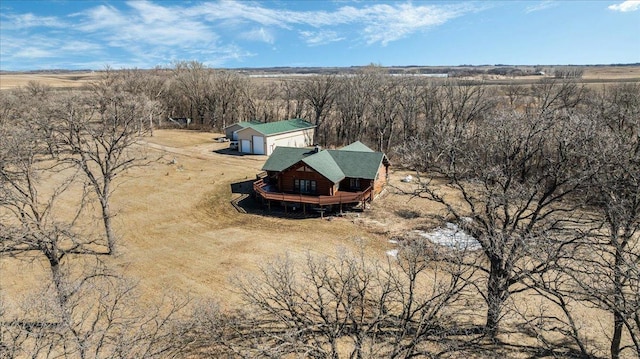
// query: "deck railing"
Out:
[339,198]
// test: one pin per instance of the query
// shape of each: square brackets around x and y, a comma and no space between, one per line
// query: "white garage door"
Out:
[258,145]
[245,146]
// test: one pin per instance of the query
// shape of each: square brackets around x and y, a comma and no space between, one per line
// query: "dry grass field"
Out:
[62,80]
[597,74]
[179,233]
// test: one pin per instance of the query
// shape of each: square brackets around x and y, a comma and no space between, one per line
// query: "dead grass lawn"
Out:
[179,233]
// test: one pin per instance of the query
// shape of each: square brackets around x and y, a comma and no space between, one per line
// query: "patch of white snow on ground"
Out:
[392,253]
[451,236]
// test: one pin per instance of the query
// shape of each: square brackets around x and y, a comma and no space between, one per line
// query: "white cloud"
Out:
[152,32]
[542,5]
[315,38]
[147,24]
[155,24]
[237,11]
[626,6]
[376,23]
[79,46]
[260,34]
[33,52]
[387,23]
[23,21]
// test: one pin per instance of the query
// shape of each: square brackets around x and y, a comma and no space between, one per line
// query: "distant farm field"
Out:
[592,74]
[64,80]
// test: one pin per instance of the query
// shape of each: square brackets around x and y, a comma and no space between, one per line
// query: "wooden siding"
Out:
[345,184]
[377,185]
[287,178]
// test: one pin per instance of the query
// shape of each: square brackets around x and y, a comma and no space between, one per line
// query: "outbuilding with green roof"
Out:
[263,138]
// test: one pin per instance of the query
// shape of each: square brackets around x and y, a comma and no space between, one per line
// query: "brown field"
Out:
[593,74]
[180,235]
[64,80]
[612,73]
[179,232]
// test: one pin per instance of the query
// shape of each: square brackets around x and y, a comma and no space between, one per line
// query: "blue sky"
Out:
[78,34]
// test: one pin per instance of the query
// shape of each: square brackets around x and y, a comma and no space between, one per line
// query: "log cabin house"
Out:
[325,179]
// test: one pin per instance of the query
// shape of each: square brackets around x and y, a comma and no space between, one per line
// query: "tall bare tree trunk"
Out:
[497,293]
[106,219]
[618,319]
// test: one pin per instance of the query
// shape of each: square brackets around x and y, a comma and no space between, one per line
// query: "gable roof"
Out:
[358,164]
[355,161]
[274,128]
[244,124]
[284,157]
[325,165]
[356,146]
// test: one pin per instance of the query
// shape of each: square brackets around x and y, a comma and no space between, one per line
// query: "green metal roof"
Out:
[324,164]
[356,146]
[357,161]
[245,124]
[358,164]
[273,128]
[284,157]
[249,123]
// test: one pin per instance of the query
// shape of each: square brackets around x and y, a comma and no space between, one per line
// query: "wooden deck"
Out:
[340,198]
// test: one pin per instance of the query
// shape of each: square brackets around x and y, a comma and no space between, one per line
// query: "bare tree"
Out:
[619,108]
[385,110]
[319,91]
[230,89]
[349,305]
[606,267]
[151,84]
[515,93]
[294,100]
[514,176]
[97,134]
[98,318]
[352,106]
[192,81]
[264,102]
[551,95]
[29,218]
[410,111]
[76,315]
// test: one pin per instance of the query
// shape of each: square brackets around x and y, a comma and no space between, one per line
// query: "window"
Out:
[354,183]
[304,169]
[305,186]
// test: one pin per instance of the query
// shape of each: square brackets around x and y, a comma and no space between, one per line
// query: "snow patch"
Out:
[451,236]
[407,179]
[392,253]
